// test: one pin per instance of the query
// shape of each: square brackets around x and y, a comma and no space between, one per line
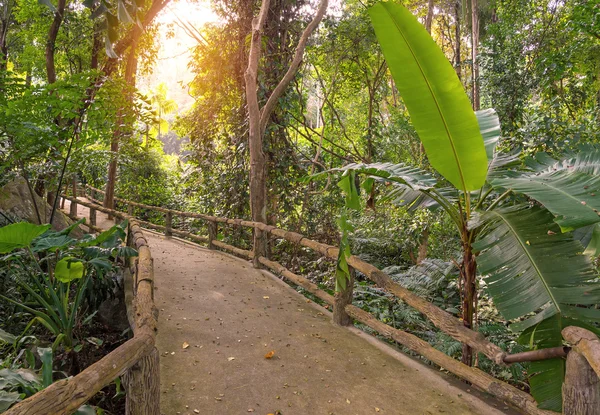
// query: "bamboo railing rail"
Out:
[344,311]
[136,360]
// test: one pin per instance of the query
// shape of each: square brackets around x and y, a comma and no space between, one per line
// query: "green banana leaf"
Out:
[530,267]
[489,127]
[439,108]
[569,188]
[538,278]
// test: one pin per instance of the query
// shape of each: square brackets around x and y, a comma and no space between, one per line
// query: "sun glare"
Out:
[177,21]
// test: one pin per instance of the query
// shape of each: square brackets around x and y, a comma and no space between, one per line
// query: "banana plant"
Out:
[515,222]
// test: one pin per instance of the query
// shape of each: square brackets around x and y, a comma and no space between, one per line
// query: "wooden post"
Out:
[92,194]
[212,234]
[142,383]
[130,210]
[581,390]
[92,217]
[73,209]
[168,224]
[342,299]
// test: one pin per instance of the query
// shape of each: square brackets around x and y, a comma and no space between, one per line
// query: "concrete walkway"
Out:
[235,340]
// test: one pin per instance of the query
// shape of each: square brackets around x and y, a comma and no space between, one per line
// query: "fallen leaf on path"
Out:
[185,345]
[270,354]
[377,409]
[231,358]
[266,297]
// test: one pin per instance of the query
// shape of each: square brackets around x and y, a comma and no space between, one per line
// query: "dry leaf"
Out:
[348,401]
[377,409]
[185,345]
[231,358]
[270,354]
[266,297]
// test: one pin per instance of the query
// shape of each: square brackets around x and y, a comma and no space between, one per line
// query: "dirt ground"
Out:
[220,320]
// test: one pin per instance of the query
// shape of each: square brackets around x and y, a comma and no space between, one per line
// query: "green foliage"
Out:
[434,96]
[49,296]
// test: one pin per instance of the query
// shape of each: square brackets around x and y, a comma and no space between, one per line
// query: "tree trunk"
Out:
[51,42]
[429,17]
[474,53]
[130,72]
[423,245]
[468,274]
[581,389]
[259,117]
[457,60]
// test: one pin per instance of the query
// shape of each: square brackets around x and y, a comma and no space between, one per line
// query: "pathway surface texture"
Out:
[236,340]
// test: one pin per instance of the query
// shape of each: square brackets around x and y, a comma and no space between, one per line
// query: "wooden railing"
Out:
[136,360]
[586,344]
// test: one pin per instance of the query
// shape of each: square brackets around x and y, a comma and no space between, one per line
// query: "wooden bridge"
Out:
[214,335]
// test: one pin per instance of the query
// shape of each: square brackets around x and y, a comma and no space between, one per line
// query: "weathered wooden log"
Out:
[343,297]
[92,216]
[586,343]
[238,251]
[298,280]
[142,384]
[212,234]
[581,388]
[477,377]
[73,209]
[66,396]
[168,224]
[535,355]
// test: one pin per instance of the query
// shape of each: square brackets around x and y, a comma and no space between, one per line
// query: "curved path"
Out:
[220,318]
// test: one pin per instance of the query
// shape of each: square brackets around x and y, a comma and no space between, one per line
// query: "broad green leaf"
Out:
[52,243]
[47,3]
[348,186]
[19,235]
[573,197]
[68,269]
[434,96]
[533,271]
[8,399]
[7,337]
[122,13]
[489,127]
[47,365]
[593,247]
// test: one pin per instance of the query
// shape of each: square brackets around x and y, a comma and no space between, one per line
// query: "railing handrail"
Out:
[442,319]
[65,396]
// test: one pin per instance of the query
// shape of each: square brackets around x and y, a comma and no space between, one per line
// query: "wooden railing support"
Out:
[142,385]
[130,210]
[92,216]
[213,229]
[342,298]
[581,389]
[168,224]
[259,247]
[73,209]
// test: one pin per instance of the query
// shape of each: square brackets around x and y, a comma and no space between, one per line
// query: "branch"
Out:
[266,111]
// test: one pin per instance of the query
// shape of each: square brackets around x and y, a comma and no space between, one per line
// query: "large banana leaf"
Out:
[538,278]
[570,191]
[439,108]
[530,267]
[489,126]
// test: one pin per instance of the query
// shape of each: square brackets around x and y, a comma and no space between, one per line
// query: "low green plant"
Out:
[54,270]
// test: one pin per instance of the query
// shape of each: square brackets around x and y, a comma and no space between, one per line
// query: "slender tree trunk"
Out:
[423,245]
[259,117]
[468,275]
[429,17]
[51,42]
[4,23]
[130,73]
[457,59]
[474,52]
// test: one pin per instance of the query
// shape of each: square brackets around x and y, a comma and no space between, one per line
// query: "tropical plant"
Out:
[530,260]
[55,270]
